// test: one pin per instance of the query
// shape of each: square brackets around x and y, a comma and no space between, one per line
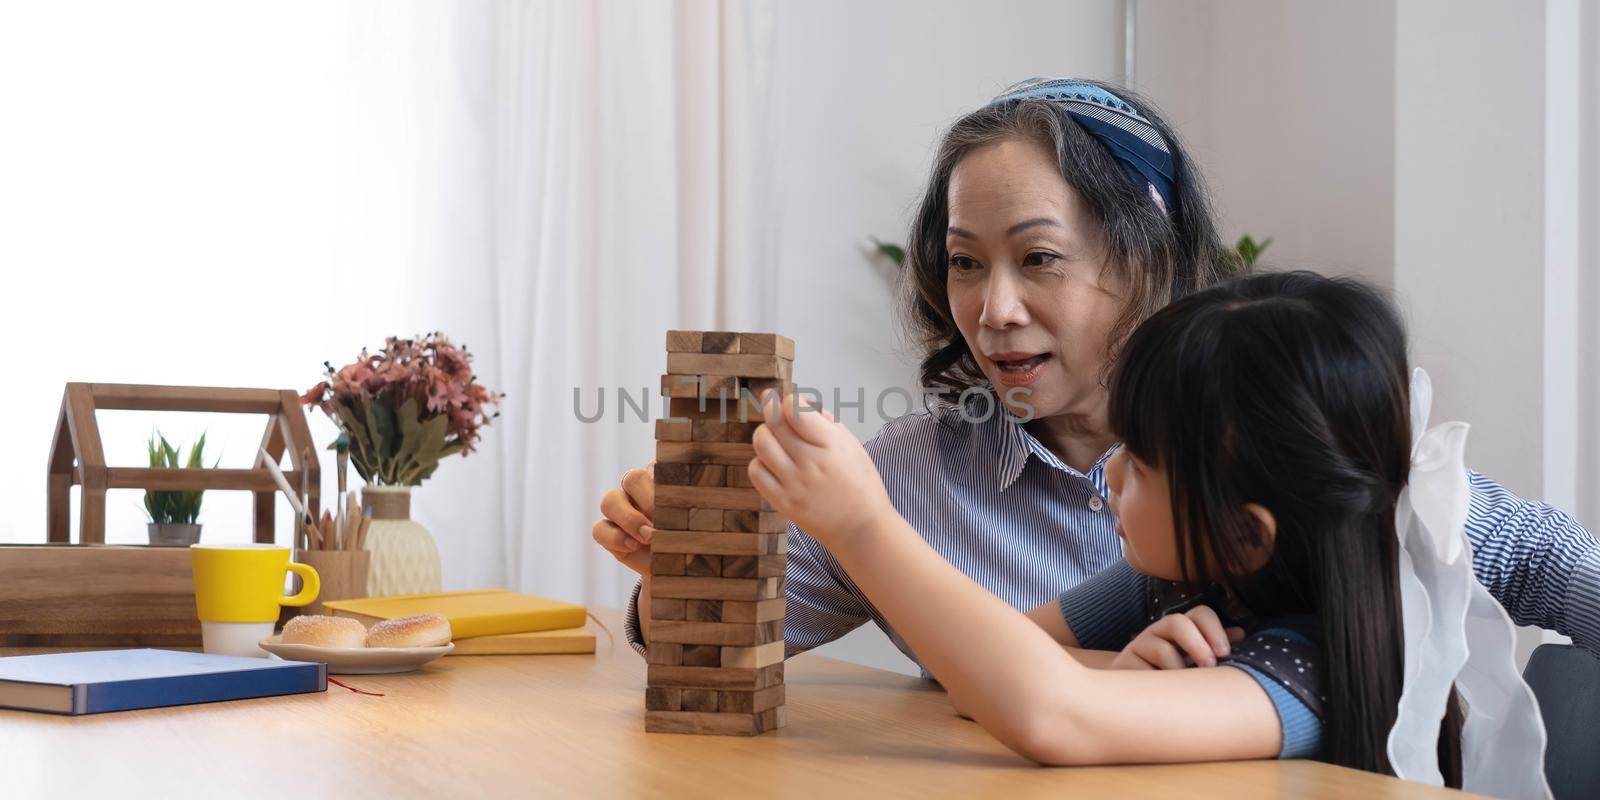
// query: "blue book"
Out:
[119,680]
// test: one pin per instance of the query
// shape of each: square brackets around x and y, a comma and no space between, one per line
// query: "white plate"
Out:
[357,660]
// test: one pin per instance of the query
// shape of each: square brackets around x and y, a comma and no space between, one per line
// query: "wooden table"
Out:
[573,726]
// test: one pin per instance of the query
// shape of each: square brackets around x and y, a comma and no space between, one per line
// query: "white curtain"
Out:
[627,199]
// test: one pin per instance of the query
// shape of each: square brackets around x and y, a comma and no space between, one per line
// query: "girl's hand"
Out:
[814,472]
[1194,638]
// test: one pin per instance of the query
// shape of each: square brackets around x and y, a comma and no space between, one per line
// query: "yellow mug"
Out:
[238,589]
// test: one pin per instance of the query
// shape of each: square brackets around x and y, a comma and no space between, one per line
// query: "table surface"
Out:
[573,725]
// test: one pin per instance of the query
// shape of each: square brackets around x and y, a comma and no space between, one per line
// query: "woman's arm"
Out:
[1013,677]
[1537,562]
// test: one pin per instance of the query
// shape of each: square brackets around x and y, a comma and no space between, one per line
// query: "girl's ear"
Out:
[1267,534]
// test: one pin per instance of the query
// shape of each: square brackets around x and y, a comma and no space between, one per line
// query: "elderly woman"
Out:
[1057,218]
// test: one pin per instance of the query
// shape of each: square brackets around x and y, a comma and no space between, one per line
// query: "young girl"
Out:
[1267,438]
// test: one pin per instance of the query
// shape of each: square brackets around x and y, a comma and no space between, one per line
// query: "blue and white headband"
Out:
[1132,139]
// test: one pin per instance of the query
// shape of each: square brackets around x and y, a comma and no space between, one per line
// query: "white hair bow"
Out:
[1455,632]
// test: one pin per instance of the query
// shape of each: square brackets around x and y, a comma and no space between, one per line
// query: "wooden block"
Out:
[739,566]
[695,722]
[683,341]
[766,344]
[686,386]
[749,702]
[703,610]
[710,408]
[738,431]
[756,611]
[715,677]
[766,566]
[668,608]
[770,367]
[704,453]
[702,699]
[672,519]
[741,521]
[703,655]
[670,564]
[674,431]
[664,653]
[697,588]
[719,342]
[703,565]
[720,497]
[718,543]
[709,430]
[737,477]
[772,522]
[720,388]
[719,633]
[691,474]
[705,519]
[748,657]
[667,698]
[739,408]
[756,657]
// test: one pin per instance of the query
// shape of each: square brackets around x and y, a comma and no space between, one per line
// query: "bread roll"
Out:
[324,631]
[423,630]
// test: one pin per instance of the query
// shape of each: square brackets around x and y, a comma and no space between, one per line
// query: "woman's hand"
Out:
[1194,638]
[814,472]
[628,509]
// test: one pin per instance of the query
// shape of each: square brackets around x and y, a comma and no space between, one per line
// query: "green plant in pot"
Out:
[174,515]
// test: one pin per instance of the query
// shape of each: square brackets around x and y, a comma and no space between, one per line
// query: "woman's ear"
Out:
[1267,528]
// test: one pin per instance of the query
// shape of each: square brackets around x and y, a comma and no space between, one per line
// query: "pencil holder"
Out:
[343,573]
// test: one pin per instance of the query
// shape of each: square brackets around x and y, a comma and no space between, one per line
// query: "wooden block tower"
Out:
[719,552]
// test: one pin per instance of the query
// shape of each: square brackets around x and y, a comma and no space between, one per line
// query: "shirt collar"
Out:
[1016,444]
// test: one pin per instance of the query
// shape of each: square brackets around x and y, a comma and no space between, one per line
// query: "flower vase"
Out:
[404,557]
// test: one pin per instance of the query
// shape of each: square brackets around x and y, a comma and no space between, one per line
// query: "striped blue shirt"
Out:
[1002,508]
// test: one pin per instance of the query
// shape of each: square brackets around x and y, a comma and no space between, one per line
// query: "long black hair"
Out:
[1291,391]
[1161,254]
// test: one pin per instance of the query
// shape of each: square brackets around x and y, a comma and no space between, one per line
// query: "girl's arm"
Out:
[1017,682]
[1002,668]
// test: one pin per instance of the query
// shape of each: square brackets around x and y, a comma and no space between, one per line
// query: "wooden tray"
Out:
[97,595]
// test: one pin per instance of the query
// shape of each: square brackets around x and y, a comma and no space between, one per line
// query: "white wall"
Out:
[864,90]
[1469,220]
[1289,110]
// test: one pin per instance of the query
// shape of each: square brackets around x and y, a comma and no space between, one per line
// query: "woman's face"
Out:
[1028,283]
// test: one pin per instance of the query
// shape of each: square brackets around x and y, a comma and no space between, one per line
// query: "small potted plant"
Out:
[404,409]
[173,515]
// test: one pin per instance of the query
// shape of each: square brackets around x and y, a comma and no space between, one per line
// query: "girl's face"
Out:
[1027,280]
[1142,500]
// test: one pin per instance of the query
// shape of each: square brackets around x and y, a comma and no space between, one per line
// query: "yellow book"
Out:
[475,612]
[568,640]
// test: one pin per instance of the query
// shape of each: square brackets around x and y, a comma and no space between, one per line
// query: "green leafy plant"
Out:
[1250,250]
[891,251]
[174,508]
